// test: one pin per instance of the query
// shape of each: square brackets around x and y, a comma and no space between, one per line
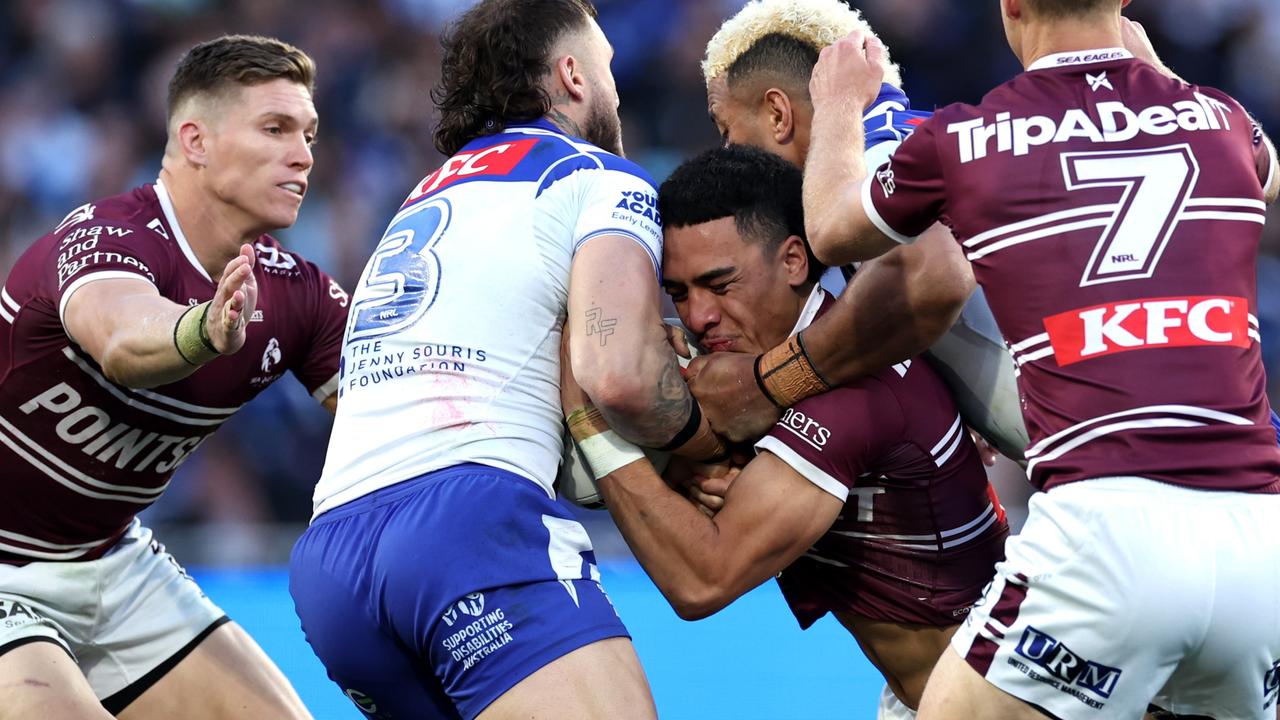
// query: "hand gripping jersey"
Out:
[971,356]
[452,351]
[80,455]
[1112,215]
[921,529]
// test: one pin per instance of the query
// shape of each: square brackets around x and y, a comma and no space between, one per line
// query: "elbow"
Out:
[698,603]
[619,393]
[117,368]
[822,243]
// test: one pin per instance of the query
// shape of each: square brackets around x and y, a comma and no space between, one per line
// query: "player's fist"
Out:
[1137,42]
[724,385]
[848,74]
[233,303]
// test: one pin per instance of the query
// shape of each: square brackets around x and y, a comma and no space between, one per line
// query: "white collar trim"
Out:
[171,217]
[1080,57]
[810,310]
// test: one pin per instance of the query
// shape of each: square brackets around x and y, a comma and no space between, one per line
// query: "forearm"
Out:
[896,307]
[833,175]
[679,547]
[648,403]
[143,354]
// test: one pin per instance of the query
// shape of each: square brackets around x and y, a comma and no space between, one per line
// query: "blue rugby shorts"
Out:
[433,597]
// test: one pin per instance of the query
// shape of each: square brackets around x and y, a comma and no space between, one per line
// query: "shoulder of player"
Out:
[135,211]
[567,156]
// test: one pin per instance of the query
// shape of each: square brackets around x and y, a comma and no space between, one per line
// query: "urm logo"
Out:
[1055,657]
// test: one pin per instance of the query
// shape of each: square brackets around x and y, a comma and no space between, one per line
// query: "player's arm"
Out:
[142,340]
[845,80]
[619,351]
[770,516]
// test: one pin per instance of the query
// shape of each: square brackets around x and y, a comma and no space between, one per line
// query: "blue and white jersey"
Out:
[452,346]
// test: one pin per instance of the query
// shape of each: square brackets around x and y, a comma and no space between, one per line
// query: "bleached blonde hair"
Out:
[817,22]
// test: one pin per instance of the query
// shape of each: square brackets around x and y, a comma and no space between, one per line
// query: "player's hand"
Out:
[724,384]
[233,303]
[1137,42]
[849,74]
[710,486]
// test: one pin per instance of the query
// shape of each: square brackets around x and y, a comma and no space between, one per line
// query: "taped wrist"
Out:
[191,336]
[696,440]
[604,450]
[786,375]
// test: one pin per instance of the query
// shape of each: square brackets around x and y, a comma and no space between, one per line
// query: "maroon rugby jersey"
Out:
[1112,216]
[79,455]
[921,529]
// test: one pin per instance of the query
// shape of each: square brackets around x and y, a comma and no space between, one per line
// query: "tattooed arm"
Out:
[618,346]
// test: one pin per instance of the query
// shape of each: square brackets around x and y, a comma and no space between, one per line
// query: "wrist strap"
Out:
[786,375]
[190,337]
[604,450]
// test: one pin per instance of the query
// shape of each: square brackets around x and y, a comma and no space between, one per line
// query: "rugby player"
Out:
[1112,212]
[870,499]
[439,578]
[757,69]
[128,334]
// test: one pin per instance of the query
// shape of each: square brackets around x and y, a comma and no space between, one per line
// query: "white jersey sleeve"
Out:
[618,202]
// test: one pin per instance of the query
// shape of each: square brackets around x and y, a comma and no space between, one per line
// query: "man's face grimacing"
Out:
[259,151]
[734,293]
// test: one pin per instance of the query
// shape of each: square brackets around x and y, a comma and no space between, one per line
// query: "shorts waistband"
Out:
[404,488]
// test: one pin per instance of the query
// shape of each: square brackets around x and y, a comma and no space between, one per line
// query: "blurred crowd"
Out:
[82,86]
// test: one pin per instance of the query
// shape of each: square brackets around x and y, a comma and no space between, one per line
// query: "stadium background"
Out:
[82,116]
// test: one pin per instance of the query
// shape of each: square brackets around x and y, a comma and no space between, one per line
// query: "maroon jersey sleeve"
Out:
[88,249]
[832,438]
[1264,161]
[317,369]
[907,195]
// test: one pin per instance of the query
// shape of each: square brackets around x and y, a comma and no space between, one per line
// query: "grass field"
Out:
[749,662]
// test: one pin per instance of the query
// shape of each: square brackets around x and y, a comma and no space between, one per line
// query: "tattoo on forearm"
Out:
[564,122]
[598,324]
[669,409]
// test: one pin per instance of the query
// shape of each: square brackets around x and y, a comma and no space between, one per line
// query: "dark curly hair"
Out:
[761,192]
[495,62]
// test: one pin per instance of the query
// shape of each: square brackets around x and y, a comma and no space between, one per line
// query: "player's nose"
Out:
[300,155]
[704,311]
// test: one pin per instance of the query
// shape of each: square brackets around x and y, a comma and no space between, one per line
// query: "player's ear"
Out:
[193,137]
[568,74]
[781,115]
[1013,8]
[795,259]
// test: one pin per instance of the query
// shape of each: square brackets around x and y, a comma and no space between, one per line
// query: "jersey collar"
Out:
[1080,57]
[171,217]
[810,310]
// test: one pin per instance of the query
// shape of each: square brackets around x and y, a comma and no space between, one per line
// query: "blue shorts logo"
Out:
[1063,664]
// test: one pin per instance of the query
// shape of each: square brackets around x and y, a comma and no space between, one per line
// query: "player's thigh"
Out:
[957,692]
[904,653]
[600,680]
[40,680]
[226,676]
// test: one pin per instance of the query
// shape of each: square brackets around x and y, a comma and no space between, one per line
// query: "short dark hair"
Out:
[761,192]
[776,53]
[215,65]
[1069,8]
[495,62]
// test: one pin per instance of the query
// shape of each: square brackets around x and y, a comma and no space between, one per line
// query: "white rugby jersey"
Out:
[452,346]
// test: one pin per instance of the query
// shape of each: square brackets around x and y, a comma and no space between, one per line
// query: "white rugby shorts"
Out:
[1123,591]
[126,618]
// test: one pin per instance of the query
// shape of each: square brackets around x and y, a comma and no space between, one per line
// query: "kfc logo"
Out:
[498,159]
[1148,323]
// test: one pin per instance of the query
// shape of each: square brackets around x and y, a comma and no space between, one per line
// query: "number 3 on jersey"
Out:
[403,277]
[1157,185]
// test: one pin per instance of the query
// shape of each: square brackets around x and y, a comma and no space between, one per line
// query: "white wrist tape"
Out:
[605,452]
